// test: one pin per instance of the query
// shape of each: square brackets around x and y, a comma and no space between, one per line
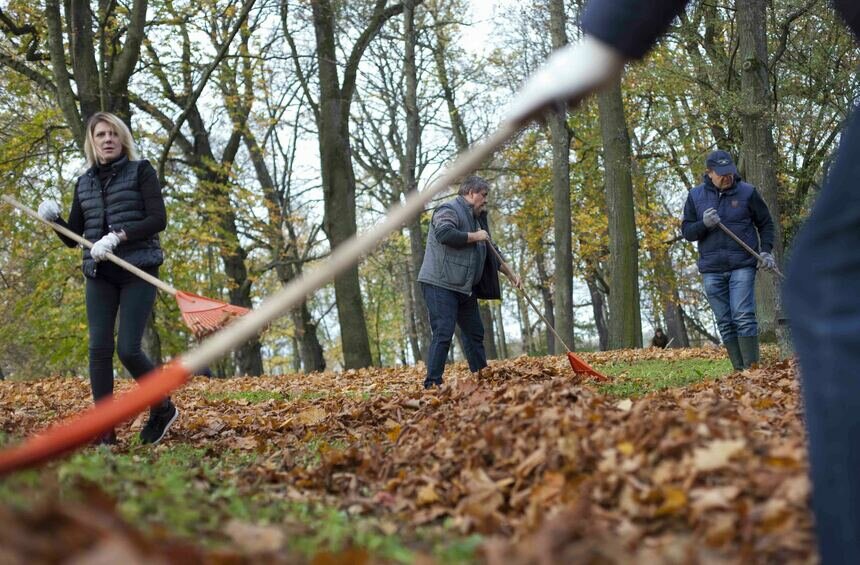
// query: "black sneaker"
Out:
[108,438]
[160,420]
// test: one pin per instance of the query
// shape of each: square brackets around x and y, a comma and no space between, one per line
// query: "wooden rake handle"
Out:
[527,297]
[751,251]
[158,283]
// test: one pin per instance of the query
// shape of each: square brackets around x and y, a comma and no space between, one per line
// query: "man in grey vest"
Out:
[454,263]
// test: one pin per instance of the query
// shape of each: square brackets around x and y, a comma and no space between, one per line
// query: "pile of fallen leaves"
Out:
[535,459]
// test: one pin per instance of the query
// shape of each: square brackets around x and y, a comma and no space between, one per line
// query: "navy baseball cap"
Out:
[721,163]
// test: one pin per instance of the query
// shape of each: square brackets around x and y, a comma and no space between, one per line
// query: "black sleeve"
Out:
[763,221]
[75,223]
[447,234]
[444,224]
[631,26]
[850,12]
[153,205]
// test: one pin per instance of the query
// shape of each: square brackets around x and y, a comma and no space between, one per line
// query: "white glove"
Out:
[767,262]
[105,245]
[49,210]
[568,75]
[710,218]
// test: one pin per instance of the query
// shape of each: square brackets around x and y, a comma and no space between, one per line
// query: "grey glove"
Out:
[105,245]
[49,210]
[767,262]
[711,218]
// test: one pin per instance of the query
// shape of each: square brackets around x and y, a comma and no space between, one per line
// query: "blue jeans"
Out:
[822,298]
[447,307]
[732,298]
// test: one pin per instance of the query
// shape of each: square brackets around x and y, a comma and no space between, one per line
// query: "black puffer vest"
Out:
[109,208]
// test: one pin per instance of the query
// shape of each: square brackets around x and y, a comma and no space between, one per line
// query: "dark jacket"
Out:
[742,210]
[632,26]
[489,288]
[114,206]
[449,260]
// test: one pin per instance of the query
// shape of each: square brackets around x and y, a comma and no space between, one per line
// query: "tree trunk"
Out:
[667,288]
[503,341]
[598,308]
[560,141]
[489,330]
[288,265]
[214,186]
[525,326]
[296,361]
[418,323]
[310,350]
[409,315]
[625,326]
[339,225]
[338,176]
[548,305]
[675,326]
[699,328]
[758,150]
[419,307]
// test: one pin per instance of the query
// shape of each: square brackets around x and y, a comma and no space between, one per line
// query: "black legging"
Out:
[116,289]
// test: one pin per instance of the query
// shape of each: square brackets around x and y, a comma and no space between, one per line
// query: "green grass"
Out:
[642,377]
[193,492]
[260,396]
[252,396]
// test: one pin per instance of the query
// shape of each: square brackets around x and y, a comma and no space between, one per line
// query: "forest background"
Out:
[280,128]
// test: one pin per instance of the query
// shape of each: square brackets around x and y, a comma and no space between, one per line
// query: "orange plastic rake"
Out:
[576,363]
[202,315]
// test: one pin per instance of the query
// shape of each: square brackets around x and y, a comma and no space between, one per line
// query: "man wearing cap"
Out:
[728,270]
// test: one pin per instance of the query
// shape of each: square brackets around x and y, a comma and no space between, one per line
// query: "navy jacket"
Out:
[742,210]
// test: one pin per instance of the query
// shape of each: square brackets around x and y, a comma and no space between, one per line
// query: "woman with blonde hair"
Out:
[118,206]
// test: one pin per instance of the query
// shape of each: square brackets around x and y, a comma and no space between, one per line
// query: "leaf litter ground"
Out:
[544,466]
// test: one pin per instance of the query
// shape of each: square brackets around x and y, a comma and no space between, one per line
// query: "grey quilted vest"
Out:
[449,267]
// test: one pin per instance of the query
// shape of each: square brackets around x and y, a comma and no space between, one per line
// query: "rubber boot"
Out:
[735,354]
[749,349]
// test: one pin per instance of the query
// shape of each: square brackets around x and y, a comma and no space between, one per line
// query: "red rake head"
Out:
[581,367]
[205,315]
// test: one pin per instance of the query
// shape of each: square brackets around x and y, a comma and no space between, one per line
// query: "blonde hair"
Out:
[125,139]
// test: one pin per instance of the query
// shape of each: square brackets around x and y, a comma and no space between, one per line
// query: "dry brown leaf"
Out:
[678,471]
[255,538]
[717,453]
[427,496]
[311,416]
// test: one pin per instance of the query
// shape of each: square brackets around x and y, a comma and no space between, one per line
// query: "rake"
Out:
[202,315]
[749,249]
[576,363]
